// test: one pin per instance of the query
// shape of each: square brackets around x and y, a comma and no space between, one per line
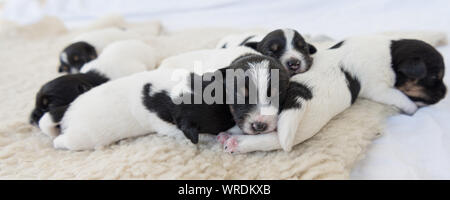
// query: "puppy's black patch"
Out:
[74,56]
[296,90]
[224,46]
[191,118]
[62,91]
[419,70]
[353,84]
[252,45]
[159,103]
[58,113]
[336,46]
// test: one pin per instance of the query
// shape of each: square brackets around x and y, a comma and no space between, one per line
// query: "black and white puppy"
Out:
[286,45]
[119,59]
[87,46]
[145,102]
[399,72]
[123,58]
[56,95]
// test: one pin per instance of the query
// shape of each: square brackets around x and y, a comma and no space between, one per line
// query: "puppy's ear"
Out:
[413,68]
[188,129]
[312,49]
[252,45]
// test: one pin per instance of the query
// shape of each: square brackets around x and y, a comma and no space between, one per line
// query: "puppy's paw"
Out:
[222,137]
[48,127]
[231,145]
[410,109]
[60,142]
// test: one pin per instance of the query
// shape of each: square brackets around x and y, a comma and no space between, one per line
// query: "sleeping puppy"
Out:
[400,72]
[87,46]
[57,94]
[119,59]
[286,45]
[123,58]
[151,102]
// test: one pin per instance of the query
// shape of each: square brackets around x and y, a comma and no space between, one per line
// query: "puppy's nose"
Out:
[294,64]
[259,126]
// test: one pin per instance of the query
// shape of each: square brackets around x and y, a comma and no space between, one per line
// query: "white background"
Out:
[415,147]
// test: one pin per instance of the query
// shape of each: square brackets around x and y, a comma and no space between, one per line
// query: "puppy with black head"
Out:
[74,56]
[399,72]
[419,71]
[152,102]
[251,118]
[87,46]
[286,45]
[56,95]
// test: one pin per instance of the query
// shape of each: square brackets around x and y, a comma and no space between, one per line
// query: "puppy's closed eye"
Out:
[274,47]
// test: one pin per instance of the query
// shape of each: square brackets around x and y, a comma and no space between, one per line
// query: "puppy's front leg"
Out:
[288,122]
[391,96]
[294,108]
[250,143]
[223,136]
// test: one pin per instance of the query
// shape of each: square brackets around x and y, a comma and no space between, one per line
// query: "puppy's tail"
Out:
[434,38]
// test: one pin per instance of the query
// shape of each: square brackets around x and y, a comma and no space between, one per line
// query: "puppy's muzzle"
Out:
[259,127]
[295,65]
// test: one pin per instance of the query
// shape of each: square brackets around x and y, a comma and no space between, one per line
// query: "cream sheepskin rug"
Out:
[29,58]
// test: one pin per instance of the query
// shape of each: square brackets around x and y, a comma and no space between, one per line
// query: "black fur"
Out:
[58,113]
[353,84]
[62,91]
[159,103]
[241,111]
[296,90]
[246,40]
[418,63]
[78,54]
[192,118]
[336,46]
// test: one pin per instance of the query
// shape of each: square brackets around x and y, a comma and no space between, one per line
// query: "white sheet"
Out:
[415,147]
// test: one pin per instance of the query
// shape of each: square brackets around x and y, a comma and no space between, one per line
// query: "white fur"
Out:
[100,39]
[206,60]
[64,57]
[47,125]
[123,58]
[367,58]
[290,51]
[114,110]
[264,111]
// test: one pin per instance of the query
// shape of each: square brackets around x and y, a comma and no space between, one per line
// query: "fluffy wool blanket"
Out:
[29,58]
